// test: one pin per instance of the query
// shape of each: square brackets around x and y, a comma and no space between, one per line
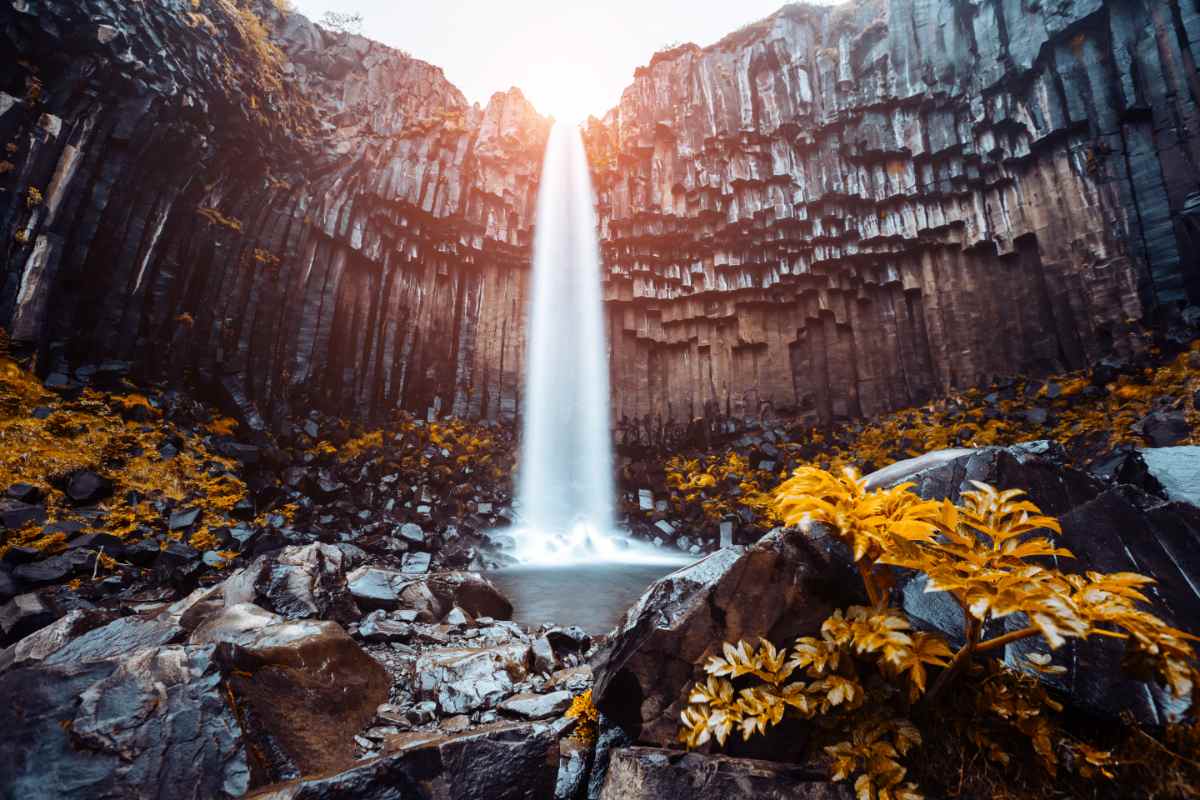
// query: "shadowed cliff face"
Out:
[842,210]
[852,209]
[322,221]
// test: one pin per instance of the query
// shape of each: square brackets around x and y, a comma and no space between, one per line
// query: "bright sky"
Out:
[571,58]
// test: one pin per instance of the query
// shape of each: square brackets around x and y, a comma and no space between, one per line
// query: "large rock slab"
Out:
[41,643]
[1177,469]
[783,586]
[296,582]
[499,762]
[153,722]
[432,596]
[303,689]
[647,773]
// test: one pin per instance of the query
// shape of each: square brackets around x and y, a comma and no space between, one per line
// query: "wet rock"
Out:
[571,782]
[148,717]
[572,679]
[378,627]
[24,492]
[1176,470]
[117,638]
[654,652]
[504,761]
[38,645]
[462,680]
[178,565]
[432,596]
[181,520]
[568,640]
[411,532]
[304,689]
[415,563]
[296,582]
[647,773]
[536,706]
[55,569]
[543,659]
[457,617]
[85,487]
[1163,428]
[25,614]
[1126,465]
[609,739]
[15,514]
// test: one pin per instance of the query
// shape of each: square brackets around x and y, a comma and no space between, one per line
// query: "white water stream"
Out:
[565,480]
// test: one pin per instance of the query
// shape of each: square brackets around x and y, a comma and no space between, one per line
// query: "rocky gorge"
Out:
[263,336]
[831,211]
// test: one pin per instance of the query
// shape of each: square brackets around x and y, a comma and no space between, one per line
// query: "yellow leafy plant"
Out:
[981,552]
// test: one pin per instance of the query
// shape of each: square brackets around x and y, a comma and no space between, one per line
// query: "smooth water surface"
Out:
[592,596]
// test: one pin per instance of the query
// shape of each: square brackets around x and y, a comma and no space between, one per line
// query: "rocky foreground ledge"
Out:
[314,673]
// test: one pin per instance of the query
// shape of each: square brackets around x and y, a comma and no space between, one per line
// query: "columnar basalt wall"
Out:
[837,210]
[851,209]
[296,217]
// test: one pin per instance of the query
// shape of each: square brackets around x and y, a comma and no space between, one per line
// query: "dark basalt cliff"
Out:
[838,210]
[319,221]
[852,209]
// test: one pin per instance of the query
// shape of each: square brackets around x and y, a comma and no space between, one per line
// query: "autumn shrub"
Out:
[866,676]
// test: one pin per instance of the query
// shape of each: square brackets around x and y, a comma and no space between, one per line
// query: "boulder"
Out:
[1163,428]
[785,585]
[648,773]
[379,627]
[150,722]
[464,680]
[303,689]
[1177,470]
[536,706]
[85,487]
[23,615]
[432,596]
[15,514]
[121,636]
[571,780]
[41,643]
[504,761]
[296,582]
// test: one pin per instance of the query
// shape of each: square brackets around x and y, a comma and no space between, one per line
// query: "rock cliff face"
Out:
[851,209]
[300,218]
[841,210]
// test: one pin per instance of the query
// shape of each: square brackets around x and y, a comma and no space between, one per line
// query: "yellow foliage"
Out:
[357,446]
[33,197]
[222,426]
[217,218]
[583,709]
[90,433]
[988,553]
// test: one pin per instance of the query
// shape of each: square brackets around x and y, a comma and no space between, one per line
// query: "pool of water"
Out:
[592,596]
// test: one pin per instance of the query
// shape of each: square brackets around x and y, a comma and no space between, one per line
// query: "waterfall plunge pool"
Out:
[593,596]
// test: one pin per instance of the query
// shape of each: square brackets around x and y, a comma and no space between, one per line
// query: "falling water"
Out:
[565,484]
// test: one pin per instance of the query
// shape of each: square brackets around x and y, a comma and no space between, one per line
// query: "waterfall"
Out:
[565,476]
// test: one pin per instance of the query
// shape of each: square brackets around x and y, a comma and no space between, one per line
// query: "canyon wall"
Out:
[847,210]
[229,194]
[834,210]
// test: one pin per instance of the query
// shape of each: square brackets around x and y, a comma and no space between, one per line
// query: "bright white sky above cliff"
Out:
[570,58]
